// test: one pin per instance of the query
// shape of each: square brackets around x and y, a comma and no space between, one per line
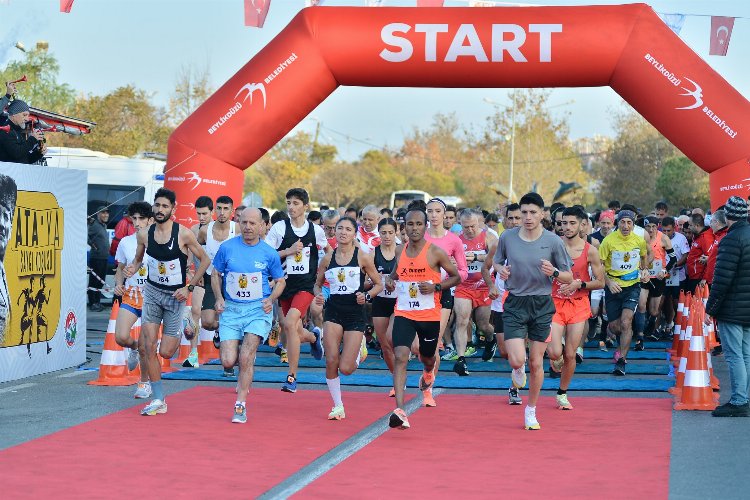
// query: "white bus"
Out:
[115,181]
[403,198]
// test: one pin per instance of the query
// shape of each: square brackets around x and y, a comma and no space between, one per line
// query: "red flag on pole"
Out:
[66,5]
[255,12]
[721,32]
[430,3]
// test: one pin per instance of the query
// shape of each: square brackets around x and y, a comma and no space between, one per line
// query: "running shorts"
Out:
[405,329]
[614,303]
[446,298]
[300,301]
[351,319]
[571,311]
[239,319]
[529,315]
[132,300]
[383,307]
[159,307]
[479,297]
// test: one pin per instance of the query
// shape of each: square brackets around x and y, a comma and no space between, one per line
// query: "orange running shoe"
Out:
[398,419]
[428,400]
[426,380]
[392,394]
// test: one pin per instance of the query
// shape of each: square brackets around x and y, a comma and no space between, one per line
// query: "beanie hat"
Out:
[17,106]
[625,214]
[736,208]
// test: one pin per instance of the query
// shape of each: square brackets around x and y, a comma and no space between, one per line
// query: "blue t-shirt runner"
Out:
[246,270]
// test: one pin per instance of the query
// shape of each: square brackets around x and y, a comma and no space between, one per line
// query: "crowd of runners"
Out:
[428,282]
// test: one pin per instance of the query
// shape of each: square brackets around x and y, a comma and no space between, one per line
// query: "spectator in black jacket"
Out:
[729,303]
[16,145]
[99,243]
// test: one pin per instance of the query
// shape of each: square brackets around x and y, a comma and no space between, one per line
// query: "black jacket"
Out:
[729,299]
[15,147]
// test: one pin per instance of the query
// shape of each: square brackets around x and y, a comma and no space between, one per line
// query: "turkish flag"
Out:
[66,5]
[430,3]
[255,12]
[721,32]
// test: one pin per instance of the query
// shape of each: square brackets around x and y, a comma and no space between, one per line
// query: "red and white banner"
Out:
[721,32]
[430,3]
[255,12]
[66,5]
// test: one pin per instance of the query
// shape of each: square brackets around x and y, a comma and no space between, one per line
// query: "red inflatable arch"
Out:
[626,47]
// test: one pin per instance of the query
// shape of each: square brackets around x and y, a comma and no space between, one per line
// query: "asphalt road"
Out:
[709,458]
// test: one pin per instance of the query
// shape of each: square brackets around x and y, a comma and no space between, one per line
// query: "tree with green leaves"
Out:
[681,183]
[42,89]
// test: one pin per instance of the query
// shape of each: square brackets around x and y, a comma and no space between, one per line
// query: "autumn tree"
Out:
[681,183]
[42,90]
[126,123]
[192,88]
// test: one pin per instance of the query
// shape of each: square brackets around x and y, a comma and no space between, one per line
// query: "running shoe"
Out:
[513,397]
[191,361]
[133,359]
[228,372]
[518,376]
[284,358]
[154,407]
[337,413]
[217,340]
[490,349]
[316,347]
[398,419]
[460,368]
[530,422]
[470,351]
[290,385]
[450,354]
[616,356]
[639,345]
[603,346]
[363,351]
[143,391]
[620,367]
[563,403]
[553,373]
[426,380]
[392,393]
[557,364]
[579,355]
[273,337]
[240,415]
[427,399]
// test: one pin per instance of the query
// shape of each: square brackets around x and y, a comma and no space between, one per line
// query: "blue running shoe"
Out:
[290,385]
[316,348]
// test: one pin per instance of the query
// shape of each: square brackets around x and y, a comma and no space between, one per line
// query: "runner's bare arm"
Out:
[367,263]
[140,250]
[216,287]
[322,268]
[119,279]
[190,242]
[487,265]
[437,259]
[597,268]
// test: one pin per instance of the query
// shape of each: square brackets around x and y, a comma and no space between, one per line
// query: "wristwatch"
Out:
[556,273]
[583,284]
[368,298]
[438,287]
[190,288]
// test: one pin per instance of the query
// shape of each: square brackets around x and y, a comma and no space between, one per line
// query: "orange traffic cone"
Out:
[113,369]
[206,349]
[696,391]
[682,346]
[681,359]
[677,325]
[708,334]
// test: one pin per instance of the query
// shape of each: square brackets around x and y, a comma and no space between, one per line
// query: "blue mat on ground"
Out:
[451,382]
[474,366]
[649,344]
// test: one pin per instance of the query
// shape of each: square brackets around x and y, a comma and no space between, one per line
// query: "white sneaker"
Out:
[337,413]
[133,359]
[143,391]
[518,376]
[530,422]
[154,407]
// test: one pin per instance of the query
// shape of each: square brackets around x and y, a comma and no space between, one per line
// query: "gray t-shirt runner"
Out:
[525,260]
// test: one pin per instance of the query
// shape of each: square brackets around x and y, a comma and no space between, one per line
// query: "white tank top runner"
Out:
[212,245]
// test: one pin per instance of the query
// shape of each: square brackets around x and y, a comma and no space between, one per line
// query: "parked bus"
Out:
[403,198]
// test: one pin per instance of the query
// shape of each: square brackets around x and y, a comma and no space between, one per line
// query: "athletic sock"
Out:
[560,392]
[640,322]
[157,390]
[241,403]
[194,351]
[334,387]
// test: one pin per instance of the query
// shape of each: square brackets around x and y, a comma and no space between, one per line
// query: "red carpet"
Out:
[194,451]
[476,447]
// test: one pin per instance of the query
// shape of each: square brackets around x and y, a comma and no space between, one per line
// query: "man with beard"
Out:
[167,244]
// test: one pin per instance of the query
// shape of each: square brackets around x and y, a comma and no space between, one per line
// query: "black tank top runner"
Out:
[165,253]
[347,300]
[383,265]
[300,282]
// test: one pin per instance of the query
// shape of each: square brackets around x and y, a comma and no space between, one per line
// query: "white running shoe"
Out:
[143,391]
[154,407]
[337,413]
[518,376]
[530,422]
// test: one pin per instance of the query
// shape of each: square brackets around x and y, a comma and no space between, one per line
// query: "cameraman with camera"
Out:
[20,144]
